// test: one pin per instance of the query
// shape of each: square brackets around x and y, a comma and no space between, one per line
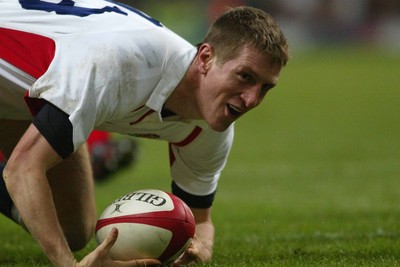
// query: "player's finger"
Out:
[106,245]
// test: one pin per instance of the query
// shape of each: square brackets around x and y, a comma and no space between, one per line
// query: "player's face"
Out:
[230,90]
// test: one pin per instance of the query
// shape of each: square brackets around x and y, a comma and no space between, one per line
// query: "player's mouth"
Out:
[234,111]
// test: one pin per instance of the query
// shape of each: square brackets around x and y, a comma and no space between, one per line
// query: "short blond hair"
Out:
[243,26]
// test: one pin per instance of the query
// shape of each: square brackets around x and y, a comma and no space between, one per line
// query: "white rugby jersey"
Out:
[109,67]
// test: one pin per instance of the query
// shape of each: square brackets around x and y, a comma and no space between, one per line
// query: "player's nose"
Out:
[251,97]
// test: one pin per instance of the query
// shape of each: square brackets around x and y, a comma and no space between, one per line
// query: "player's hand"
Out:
[195,253]
[99,257]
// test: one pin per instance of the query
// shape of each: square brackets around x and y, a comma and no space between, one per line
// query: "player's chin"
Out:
[220,126]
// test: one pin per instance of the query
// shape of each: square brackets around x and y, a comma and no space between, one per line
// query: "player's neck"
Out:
[182,101]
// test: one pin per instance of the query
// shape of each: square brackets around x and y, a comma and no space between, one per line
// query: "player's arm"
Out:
[27,183]
[201,248]
[25,177]
[209,154]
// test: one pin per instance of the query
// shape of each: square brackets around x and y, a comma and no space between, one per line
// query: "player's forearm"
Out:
[33,198]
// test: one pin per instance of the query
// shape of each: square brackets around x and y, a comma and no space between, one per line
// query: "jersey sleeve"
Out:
[197,166]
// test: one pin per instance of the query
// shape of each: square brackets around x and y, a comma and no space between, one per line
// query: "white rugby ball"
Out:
[152,224]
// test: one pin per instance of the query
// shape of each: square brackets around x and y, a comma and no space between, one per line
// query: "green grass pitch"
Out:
[313,177]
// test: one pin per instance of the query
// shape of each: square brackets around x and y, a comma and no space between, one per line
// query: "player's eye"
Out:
[244,76]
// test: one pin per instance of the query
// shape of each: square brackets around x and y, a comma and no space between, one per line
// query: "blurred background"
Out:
[306,23]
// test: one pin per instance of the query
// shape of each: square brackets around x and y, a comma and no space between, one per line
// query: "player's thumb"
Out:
[107,244]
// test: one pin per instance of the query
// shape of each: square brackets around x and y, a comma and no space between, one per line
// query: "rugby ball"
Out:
[152,224]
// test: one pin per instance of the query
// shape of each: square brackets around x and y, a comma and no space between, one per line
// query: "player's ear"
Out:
[205,57]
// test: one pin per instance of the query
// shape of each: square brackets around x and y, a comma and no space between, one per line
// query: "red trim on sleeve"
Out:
[171,155]
[190,138]
[197,130]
